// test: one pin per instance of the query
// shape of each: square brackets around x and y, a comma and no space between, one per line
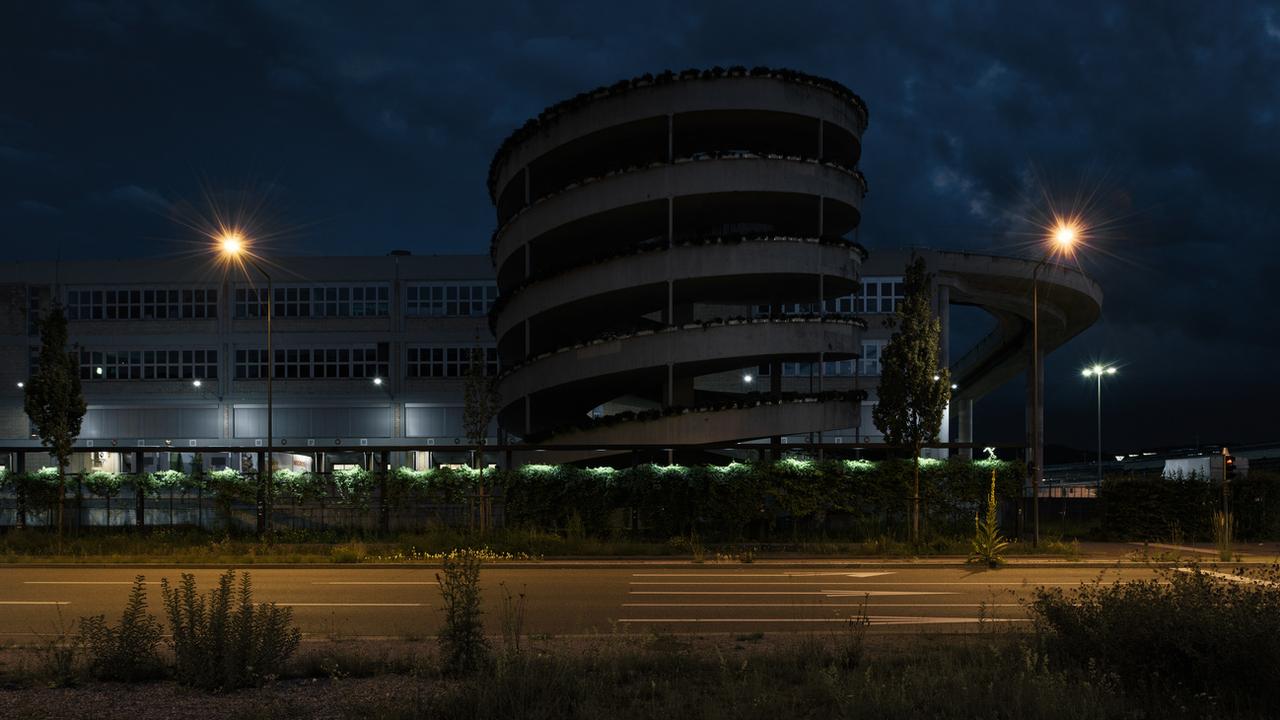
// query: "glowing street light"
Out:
[234,248]
[1097,371]
[232,243]
[377,381]
[1063,237]
[21,385]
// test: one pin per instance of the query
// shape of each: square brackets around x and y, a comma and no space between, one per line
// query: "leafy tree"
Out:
[481,401]
[53,398]
[913,391]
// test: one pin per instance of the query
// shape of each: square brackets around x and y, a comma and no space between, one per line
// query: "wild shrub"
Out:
[221,640]
[126,652]
[988,546]
[463,646]
[513,611]
[1185,628]
[58,656]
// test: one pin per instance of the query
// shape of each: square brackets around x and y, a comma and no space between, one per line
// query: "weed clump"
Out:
[221,640]
[463,646]
[1188,629]
[126,652]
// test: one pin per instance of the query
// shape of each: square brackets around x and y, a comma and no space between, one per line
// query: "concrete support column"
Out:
[821,149]
[964,424]
[528,422]
[671,138]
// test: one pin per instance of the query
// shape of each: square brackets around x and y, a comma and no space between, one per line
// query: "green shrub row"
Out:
[1151,507]
[668,500]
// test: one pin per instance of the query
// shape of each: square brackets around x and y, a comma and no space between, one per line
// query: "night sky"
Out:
[366,127]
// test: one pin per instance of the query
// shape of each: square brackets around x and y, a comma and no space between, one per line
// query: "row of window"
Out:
[359,362]
[143,304]
[305,363]
[148,364]
[315,302]
[877,295]
[290,363]
[450,299]
[454,299]
[447,361]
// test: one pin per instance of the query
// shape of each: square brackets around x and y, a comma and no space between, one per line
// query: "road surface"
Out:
[404,602]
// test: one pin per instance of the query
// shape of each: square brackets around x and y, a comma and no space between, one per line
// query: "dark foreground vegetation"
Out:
[1188,644]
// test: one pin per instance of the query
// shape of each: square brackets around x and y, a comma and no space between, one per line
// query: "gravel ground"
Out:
[312,698]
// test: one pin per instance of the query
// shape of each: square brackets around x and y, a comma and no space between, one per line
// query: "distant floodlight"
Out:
[232,243]
[196,383]
[747,378]
[98,370]
[21,385]
[1111,371]
[377,381]
[936,378]
[954,386]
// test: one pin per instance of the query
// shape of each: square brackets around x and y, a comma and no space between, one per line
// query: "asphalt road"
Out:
[351,602]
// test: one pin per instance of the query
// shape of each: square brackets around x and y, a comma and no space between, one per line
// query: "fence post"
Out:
[20,497]
[384,506]
[139,495]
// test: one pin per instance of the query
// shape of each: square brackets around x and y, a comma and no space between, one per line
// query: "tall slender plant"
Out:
[914,390]
[53,398]
[481,401]
[988,546]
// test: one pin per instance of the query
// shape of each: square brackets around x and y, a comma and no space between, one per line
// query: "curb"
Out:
[614,564]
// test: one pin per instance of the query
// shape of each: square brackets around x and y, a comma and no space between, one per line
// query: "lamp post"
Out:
[233,248]
[1097,371]
[1062,239]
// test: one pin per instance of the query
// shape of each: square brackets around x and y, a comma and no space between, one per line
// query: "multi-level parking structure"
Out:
[637,227]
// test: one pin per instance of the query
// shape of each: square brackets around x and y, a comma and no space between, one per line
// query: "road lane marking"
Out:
[749,582]
[86,582]
[1228,576]
[34,602]
[787,574]
[830,593]
[352,604]
[821,605]
[873,620]
[373,582]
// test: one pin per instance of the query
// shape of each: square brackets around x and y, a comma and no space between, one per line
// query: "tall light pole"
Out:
[1062,240]
[233,247]
[1098,371]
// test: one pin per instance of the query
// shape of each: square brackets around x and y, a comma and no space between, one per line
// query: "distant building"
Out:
[173,353]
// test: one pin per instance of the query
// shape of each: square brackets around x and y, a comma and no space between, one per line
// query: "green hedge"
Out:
[722,501]
[1150,507]
[727,501]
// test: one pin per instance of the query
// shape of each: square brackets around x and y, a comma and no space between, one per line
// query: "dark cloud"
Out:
[378,121]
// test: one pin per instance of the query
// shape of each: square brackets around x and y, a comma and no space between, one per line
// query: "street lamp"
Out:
[233,249]
[1062,241]
[1098,371]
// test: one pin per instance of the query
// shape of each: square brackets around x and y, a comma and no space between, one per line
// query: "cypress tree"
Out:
[914,390]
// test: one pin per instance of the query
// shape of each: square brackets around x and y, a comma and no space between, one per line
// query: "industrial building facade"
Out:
[368,351]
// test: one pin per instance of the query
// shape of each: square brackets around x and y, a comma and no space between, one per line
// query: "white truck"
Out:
[1206,467]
